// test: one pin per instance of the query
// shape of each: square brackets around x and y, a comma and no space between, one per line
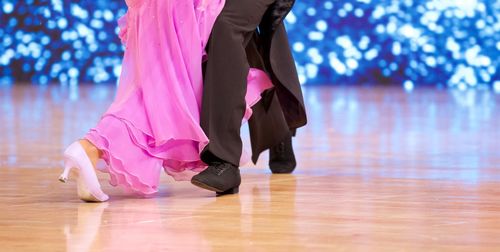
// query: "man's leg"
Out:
[282,158]
[225,86]
[268,126]
[225,79]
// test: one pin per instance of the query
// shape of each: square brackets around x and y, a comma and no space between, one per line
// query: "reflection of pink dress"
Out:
[154,119]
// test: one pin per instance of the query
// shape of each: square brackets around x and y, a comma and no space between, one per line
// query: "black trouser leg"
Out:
[225,79]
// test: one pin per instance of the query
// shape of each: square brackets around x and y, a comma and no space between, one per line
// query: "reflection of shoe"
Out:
[89,188]
[82,236]
[282,158]
[223,178]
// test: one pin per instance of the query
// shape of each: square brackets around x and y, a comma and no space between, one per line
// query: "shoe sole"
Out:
[205,186]
[213,189]
[282,171]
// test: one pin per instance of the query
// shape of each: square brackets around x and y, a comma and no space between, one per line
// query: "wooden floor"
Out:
[379,170]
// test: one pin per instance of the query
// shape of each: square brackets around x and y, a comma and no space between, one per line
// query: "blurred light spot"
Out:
[408,85]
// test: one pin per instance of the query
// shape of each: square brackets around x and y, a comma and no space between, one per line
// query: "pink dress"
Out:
[153,123]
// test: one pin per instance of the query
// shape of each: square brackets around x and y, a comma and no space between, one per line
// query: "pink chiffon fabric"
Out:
[153,123]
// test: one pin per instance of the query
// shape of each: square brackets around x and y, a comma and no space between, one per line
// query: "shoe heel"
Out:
[65,175]
[230,191]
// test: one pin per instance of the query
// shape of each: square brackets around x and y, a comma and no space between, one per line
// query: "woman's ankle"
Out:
[92,151]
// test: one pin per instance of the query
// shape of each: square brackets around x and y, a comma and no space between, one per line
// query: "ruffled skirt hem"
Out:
[135,165]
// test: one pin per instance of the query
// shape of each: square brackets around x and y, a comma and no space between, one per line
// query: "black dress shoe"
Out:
[282,158]
[223,178]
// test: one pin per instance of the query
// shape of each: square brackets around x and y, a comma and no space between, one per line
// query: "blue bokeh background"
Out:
[447,43]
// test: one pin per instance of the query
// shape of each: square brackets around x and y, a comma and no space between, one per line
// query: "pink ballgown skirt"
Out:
[154,121]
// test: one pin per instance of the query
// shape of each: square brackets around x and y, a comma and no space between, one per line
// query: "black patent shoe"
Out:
[222,178]
[282,158]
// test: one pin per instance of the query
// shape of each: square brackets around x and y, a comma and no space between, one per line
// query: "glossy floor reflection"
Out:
[379,170]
